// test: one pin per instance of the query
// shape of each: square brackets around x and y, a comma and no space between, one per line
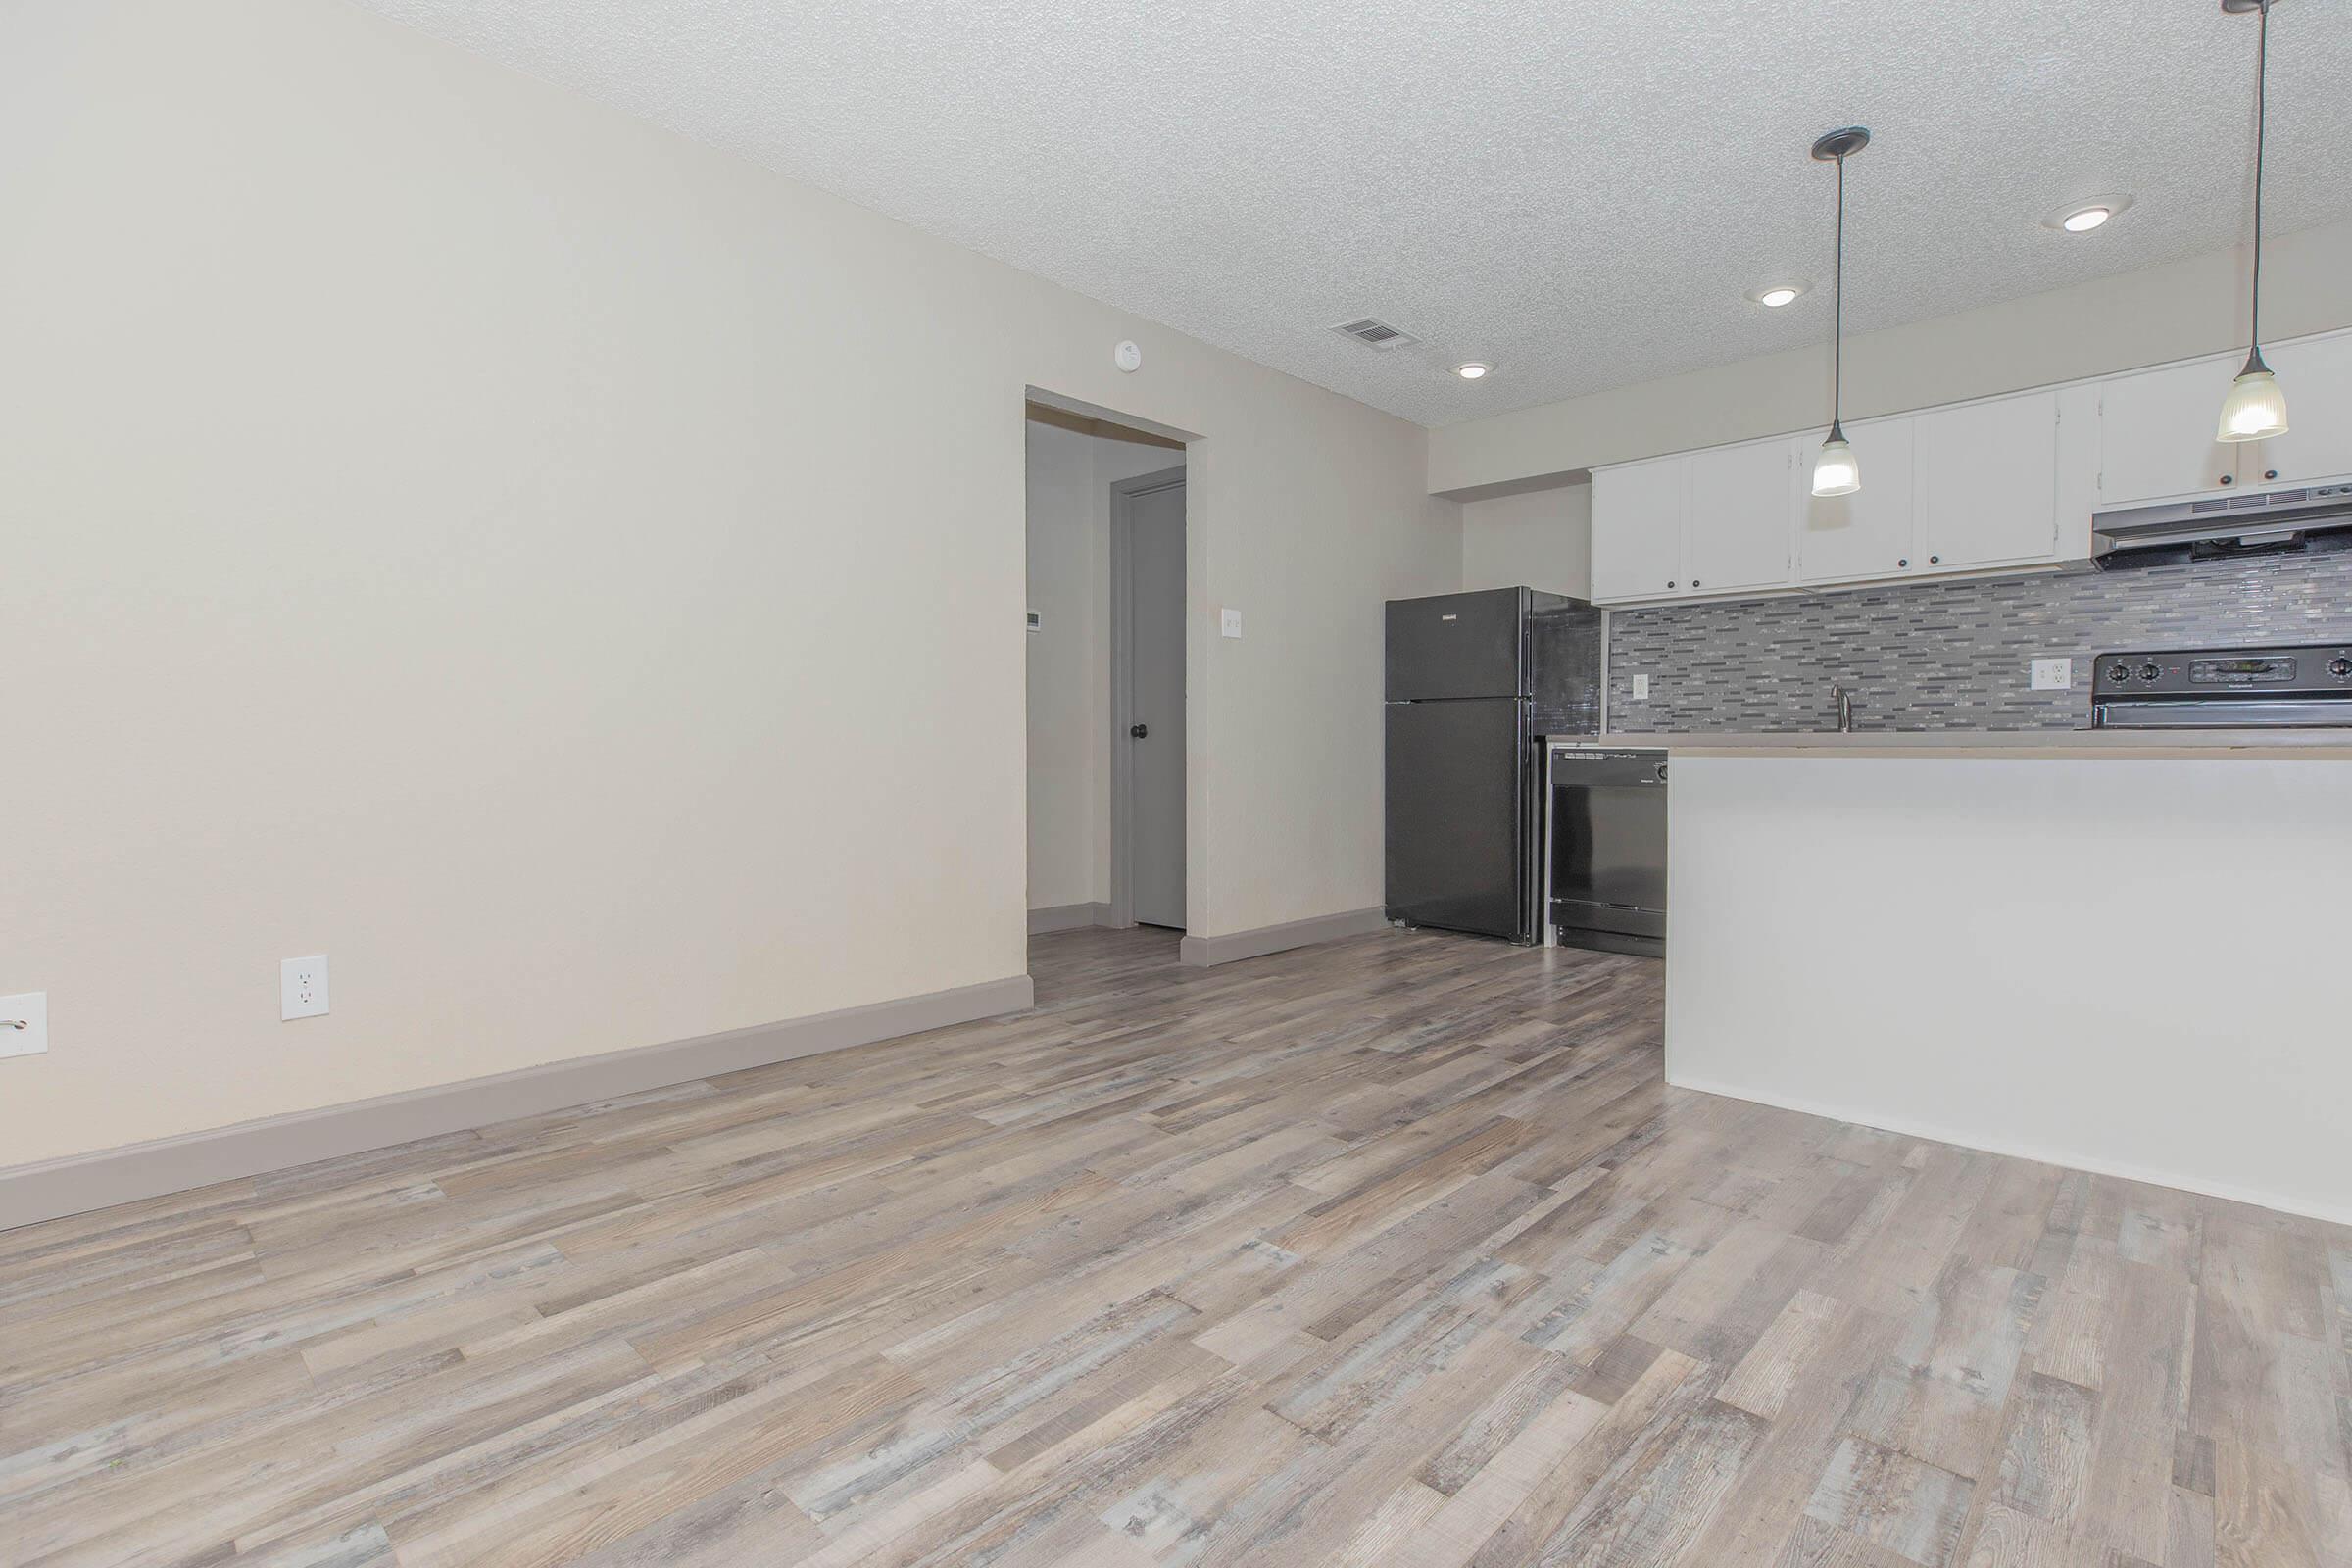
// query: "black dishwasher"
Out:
[1607,849]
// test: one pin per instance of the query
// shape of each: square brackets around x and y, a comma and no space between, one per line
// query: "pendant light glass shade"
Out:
[1834,472]
[2256,408]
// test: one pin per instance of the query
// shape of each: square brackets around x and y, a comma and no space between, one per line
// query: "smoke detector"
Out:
[1375,333]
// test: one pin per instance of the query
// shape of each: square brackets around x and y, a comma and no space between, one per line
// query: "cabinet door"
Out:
[1737,534]
[2317,378]
[1637,513]
[1866,534]
[2156,433]
[1988,481]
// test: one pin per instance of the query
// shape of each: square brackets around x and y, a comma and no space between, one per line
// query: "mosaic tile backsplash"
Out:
[1950,656]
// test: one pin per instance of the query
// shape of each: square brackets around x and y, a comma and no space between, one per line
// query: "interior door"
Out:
[1988,480]
[1457,814]
[1155,739]
[1869,532]
[1738,536]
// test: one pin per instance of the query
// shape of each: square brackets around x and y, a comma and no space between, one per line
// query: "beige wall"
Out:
[2186,308]
[459,528]
[1071,475]
[1539,539]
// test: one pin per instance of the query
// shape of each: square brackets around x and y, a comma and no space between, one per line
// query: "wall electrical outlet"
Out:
[24,1024]
[1641,688]
[302,987]
[1229,623]
[2053,674]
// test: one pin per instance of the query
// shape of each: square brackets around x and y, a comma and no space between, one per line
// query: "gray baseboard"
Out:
[78,1183]
[1265,939]
[1069,918]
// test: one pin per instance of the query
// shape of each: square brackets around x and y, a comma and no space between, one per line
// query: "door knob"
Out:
[1139,731]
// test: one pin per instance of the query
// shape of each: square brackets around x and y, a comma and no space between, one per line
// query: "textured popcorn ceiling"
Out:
[1579,191]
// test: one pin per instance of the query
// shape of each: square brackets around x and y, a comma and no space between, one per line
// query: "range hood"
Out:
[2291,520]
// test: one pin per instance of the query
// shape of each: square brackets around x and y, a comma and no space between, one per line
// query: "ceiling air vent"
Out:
[1377,334]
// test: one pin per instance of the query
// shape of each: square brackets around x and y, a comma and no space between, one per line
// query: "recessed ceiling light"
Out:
[2080,218]
[1472,372]
[1780,294]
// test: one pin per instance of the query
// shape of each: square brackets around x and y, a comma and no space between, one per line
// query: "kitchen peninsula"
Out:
[2121,951]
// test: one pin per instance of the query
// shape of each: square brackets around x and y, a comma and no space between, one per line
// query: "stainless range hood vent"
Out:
[2295,519]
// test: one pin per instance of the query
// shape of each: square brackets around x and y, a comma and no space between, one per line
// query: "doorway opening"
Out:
[1107,698]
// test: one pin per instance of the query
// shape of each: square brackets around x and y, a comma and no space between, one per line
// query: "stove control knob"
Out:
[2149,672]
[2339,668]
[2119,673]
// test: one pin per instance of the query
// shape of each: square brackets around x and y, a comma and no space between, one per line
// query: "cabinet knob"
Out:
[1905,561]
[2229,478]
[1670,585]
[1695,583]
[1935,560]
[2270,473]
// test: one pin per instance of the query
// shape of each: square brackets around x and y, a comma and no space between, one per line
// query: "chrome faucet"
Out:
[1845,710]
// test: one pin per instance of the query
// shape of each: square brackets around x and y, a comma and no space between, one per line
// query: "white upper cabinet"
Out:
[2156,433]
[2316,376]
[1865,534]
[1999,483]
[2156,427]
[1638,512]
[1988,481]
[1736,535]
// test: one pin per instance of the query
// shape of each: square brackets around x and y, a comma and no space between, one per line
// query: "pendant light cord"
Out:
[2262,73]
[1838,311]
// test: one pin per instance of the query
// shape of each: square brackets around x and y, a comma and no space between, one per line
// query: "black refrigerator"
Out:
[1473,680]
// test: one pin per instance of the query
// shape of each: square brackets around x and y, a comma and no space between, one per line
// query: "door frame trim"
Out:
[1123,495]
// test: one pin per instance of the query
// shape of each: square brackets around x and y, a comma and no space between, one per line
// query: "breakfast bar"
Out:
[2121,951]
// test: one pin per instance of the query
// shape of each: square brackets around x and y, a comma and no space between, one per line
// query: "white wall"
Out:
[2185,308]
[2122,966]
[459,528]
[1539,539]
[1071,475]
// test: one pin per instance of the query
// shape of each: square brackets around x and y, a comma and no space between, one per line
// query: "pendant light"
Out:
[2256,408]
[1836,473]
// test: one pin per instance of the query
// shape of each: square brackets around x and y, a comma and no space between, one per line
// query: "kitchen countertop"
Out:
[2322,745]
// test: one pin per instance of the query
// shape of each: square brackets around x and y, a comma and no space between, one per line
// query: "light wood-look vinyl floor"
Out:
[1394,1252]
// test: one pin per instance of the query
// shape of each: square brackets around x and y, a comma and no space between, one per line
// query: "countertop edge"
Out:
[2108,744]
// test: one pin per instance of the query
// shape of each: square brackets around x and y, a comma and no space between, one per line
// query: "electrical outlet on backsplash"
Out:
[1947,656]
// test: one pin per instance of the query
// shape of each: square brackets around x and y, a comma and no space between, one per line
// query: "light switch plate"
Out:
[1641,688]
[302,987]
[1229,622]
[31,1009]
[2053,674]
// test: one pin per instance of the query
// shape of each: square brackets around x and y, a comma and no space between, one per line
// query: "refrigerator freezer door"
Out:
[1455,645]
[1456,815]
